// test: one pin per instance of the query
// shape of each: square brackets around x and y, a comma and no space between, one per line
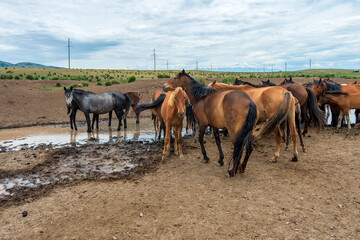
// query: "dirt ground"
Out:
[315,198]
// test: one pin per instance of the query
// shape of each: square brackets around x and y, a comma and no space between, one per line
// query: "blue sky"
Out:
[249,35]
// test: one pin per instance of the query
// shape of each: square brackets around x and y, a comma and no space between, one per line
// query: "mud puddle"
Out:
[69,165]
[56,136]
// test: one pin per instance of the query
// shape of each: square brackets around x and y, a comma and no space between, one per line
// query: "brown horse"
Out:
[274,104]
[231,110]
[173,112]
[310,111]
[135,99]
[155,107]
[344,101]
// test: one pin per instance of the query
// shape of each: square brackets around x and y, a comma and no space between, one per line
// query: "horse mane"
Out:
[333,86]
[171,101]
[81,91]
[197,88]
[239,82]
[336,92]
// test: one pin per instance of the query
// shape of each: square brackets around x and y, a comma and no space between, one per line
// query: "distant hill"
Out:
[25,65]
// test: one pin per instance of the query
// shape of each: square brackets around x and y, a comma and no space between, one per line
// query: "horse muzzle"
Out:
[166,87]
[181,114]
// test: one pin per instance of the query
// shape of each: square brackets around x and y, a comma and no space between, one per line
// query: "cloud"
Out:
[123,34]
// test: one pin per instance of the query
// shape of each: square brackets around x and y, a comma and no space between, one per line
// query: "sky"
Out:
[245,35]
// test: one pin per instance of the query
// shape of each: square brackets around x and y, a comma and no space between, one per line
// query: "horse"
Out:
[173,111]
[310,111]
[98,103]
[274,104]
[231,110]
[190,120]
[155,107]
[135,99]
[345,102]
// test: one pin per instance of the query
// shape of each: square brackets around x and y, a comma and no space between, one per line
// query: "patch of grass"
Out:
[46,89]
[85,84]
[58,84]
[108,83]
[99,83]
[73,85]
[29,77]
[131,79]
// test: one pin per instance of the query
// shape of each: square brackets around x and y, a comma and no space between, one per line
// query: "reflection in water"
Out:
[55,136]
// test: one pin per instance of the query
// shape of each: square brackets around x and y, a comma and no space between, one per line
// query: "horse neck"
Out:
[193,99]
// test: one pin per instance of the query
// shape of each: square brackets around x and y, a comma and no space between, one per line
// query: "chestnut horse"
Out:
[173,111]
[274,104]
[231,110]
[344,101]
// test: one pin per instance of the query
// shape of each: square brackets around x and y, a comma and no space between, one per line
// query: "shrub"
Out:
[163,76]
[9,76]
[73,85]
[99,83]
[85,84]
[29,77]
[228,80]
[42,77]
[108,83]
[202,81]
[58,84]
[17,77]
[131,79]
[115,82]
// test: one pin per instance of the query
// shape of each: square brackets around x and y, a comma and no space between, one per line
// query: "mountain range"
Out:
[25,65]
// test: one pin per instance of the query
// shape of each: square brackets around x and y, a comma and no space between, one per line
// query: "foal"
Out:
[173,112]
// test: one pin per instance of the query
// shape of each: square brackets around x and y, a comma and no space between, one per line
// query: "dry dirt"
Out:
[315,198]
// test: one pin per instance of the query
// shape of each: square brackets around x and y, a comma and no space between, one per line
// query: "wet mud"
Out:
[69,165]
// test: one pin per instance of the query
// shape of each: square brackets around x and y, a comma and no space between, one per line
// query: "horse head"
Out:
[180,80]
[319,87]
[179,99]
[68,98]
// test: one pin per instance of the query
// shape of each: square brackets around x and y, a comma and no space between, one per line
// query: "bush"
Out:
[228,80]
[131,79]
[58,84]
[163,76]
[29,77]
[115,82]
[17,77]
[99,83]
[202,81]
[73,85]
[108,83]
[85,84]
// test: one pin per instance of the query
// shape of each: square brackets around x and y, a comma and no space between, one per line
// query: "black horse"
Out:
[96,103]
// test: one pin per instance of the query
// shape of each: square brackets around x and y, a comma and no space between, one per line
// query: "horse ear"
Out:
[213,83]
[71,88]
[183,71]
[64,88]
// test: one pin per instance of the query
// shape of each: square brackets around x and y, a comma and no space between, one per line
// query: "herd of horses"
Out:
[244,110]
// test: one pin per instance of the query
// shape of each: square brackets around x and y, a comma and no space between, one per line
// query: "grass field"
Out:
[112,76]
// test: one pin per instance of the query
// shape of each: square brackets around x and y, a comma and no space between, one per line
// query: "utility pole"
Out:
[285,67]
[154,59]
[197,66]
[68,47]
[310,63]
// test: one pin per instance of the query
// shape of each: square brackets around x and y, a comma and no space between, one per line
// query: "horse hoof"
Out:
[272,161]
[220,163]
[286,149]
[294,159]
[182,158]
[229,174]
[305,150]
[176,153]
[206,160]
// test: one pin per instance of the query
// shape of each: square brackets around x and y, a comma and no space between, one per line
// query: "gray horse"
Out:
[96,103]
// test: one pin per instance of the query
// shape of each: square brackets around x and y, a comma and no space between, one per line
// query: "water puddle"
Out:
[55,136]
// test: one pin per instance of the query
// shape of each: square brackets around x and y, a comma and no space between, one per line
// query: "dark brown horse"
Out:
[135,99]
[231,110]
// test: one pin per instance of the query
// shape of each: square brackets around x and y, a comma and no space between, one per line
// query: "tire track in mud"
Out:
[70,165]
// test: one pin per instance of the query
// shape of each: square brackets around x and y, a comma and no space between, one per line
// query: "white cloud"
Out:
[222,33]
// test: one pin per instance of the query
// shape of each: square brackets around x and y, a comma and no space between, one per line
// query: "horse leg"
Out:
[202,129]
[348,120]
[166,151]
[339,120]
[249,150]
[110,117]
[357,112]
[293,132]
[298,128]
[218,144]
[180,143]
[125,123]
[119,113]
[137,117]
[176,150]
[287,135]
[277,147]
[87,116]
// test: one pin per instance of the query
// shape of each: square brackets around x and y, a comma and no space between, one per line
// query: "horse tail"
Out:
[317,116]
[128,105]
[154,104]
[270,124]
[244,140]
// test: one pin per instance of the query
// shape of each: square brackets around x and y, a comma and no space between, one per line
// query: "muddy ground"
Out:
[315,198]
